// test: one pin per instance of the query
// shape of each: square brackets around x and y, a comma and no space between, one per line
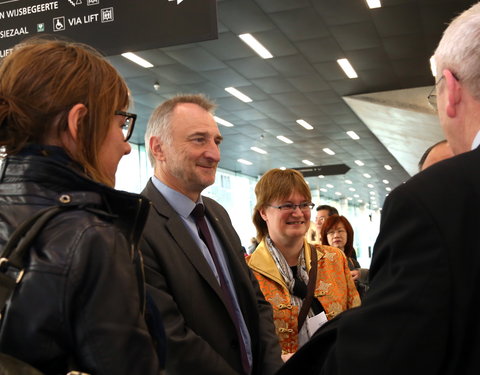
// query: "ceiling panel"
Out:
[389,47]
[300,24]
[196,58]
[273,85]
[253,67]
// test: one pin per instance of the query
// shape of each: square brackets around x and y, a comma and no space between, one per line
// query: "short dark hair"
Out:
[427,151]
[331,210]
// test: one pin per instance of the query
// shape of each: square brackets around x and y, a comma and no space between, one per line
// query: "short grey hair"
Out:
[159,124]
[459,49]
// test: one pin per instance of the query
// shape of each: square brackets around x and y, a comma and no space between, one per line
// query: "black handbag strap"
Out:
[312,279]
[12,256]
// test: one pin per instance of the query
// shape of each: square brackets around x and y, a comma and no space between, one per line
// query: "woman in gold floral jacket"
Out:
[282,261]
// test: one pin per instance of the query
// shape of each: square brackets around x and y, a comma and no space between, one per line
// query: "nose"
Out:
[127,148]
[213,151]
[297,211]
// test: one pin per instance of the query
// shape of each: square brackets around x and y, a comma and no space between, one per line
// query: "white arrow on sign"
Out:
[178,1]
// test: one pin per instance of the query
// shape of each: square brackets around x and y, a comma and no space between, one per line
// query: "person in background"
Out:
[420,315]
[314,235]
[296,277]
[438,152]
[216,319]
[338,232]
[64,129]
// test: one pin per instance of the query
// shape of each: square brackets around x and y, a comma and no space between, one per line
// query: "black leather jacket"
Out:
[79,301]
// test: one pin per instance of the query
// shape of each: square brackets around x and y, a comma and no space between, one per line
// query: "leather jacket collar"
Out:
[39,173]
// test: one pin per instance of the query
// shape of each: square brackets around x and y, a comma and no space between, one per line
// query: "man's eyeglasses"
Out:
[128,125]
[292,207]
[432,97]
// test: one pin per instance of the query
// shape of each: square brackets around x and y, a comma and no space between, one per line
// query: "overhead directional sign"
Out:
[326,170]
[112,26]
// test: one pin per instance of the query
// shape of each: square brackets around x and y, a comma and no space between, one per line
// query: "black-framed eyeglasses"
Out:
[128,125]
[292,207]
[432,97]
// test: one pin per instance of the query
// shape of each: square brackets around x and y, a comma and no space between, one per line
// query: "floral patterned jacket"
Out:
[335,289]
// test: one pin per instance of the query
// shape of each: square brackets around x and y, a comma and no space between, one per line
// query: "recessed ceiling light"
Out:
[305,124]
[223,122]
[347,68]
[387,167]
[284,139]
[353,135]
[328,151]
[321,176]
[256,46]
[372,4]
[239,95]
[348,182]
[366,175]
[137,60]
[359,163]
[372,193]
[359,201]
[243,161]
[386,182]
[388,188]
[329,186]
[283,168]
[338,193]
[352,189]
[307,162]
[349,198]
[356,195]
[323,189]
[259,150]
[370,186]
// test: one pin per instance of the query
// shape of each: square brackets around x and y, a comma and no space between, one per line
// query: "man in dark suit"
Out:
[216,318]
[420,315]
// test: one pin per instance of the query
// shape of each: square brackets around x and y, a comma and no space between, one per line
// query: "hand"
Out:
[355,274]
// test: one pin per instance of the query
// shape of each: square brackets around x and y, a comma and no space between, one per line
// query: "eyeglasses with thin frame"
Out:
[305,206]
[432,97]
[128,125]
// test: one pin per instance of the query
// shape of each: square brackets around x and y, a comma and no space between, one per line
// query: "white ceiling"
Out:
[386,105]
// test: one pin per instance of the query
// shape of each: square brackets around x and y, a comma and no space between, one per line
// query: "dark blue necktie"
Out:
[198,214]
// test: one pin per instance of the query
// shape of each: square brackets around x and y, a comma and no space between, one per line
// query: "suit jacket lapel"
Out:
[177,230]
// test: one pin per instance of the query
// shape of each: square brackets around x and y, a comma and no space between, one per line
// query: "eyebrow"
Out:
[206,135]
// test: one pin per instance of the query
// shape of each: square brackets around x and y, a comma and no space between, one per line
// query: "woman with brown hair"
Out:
[63,130]
[338,232]
[305,284]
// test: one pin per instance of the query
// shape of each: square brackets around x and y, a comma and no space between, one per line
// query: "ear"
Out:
[75,115]
[454,93]
[157,148]
[263,214]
